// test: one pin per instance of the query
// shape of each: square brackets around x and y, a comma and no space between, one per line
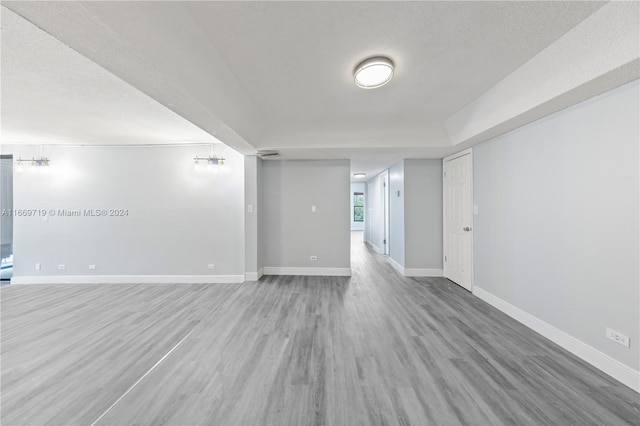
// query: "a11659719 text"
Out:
[65,212]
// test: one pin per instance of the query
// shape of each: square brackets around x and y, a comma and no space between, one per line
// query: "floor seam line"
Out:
[161,359]
[143,376]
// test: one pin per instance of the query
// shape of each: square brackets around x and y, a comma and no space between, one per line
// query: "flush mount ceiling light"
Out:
[359,175]
[373,72]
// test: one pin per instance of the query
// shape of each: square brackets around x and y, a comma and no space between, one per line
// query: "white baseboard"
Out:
[423,272]
[254,276]
[277,270]
[614,368]
[415,272]
[128,279]
[375,247]
[396,265]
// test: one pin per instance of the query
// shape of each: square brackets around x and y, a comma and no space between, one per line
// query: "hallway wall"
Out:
[556,236]
[291,231]
[415,219]
[423,217]
[397,227]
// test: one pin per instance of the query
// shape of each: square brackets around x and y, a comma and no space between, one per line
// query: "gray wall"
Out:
[416,214]
[251,213]
[396,213]
[557,229]
[423,214]
[259,211]
[357,187]
[291,232]
[180,219]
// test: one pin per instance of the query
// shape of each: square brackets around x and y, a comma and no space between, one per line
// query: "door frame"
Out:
[10,157]
[385,191]
[468,151]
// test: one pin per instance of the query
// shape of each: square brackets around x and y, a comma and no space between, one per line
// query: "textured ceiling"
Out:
[275,75]
[52,94]
[295,59]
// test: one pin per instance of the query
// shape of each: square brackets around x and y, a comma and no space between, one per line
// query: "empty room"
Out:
[320,212]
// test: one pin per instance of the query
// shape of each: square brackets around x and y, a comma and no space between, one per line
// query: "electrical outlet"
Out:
[61,266]
[38,266]
[92,267]
[618,337]
[211,266]
[313,257]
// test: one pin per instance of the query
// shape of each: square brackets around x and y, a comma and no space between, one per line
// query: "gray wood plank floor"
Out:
[372,349]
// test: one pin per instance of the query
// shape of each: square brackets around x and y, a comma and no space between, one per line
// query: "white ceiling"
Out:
[51,94]
[277,74]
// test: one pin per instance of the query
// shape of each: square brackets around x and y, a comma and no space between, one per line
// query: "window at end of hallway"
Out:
[358,207]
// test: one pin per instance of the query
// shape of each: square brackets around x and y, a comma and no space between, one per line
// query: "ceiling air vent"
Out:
[268,154]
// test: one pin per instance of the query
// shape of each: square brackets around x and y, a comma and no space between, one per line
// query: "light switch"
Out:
[475,209]
[250,208]
[313,209]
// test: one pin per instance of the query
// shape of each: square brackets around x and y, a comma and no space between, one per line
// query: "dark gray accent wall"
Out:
[291,232]
[423,214]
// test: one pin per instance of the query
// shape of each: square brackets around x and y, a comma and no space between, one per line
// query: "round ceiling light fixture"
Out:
[373,72]
[359,175]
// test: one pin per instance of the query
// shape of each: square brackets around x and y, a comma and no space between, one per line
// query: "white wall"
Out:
[291,232]
[374,227]
[357,187]
[557,231]
[396,214]
[423,216]
[179,219]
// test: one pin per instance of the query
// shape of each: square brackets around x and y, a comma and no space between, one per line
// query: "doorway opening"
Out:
[376,219]
[6,218]
[357,212]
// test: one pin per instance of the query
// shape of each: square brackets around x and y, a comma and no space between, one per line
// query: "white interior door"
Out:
[458,219]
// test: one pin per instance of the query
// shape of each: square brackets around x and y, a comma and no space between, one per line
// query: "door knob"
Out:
[466,229]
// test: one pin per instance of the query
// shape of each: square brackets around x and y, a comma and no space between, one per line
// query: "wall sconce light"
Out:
[209,161]
[40,162]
